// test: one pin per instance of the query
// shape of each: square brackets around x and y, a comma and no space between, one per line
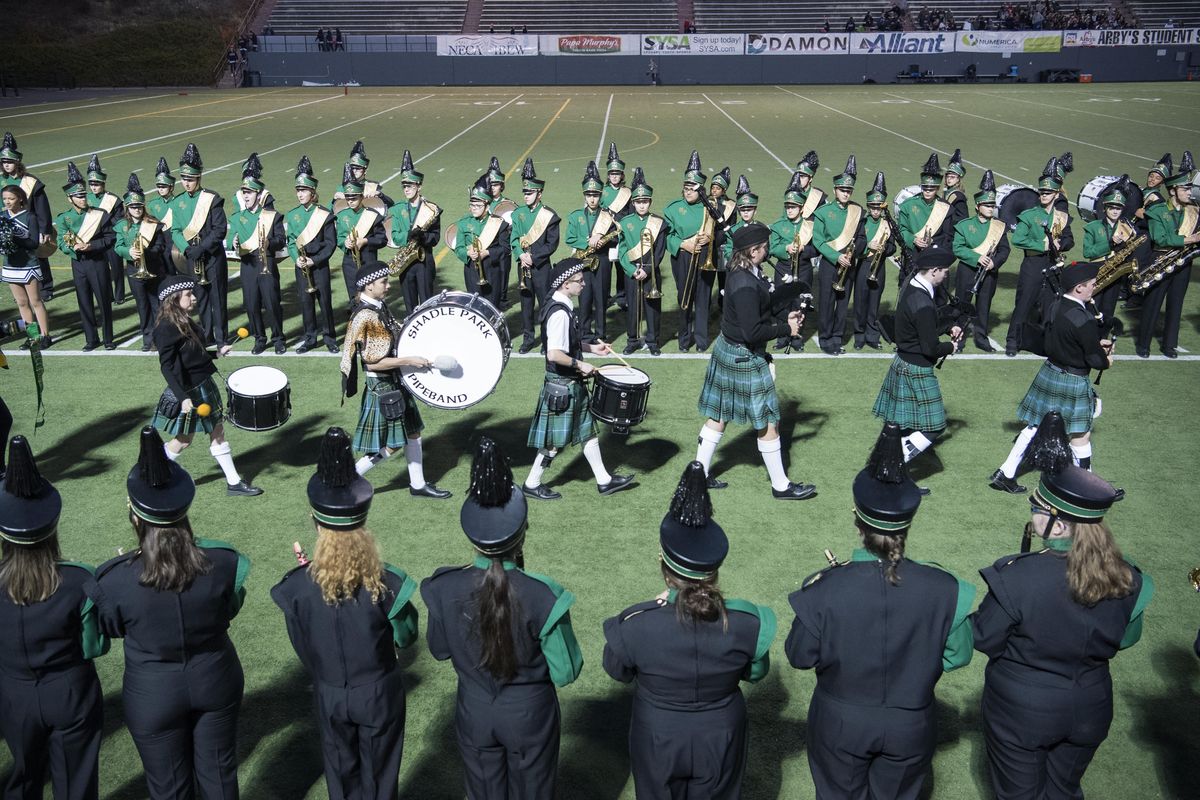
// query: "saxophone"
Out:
[1119,262]
[588,254]
[412,252]
[1163,265]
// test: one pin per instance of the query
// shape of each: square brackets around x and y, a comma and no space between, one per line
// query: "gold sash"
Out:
[487,234]
[810,205]
[882,234]
[620,201]
[540,223]
[366,221]
[729,207]
[89,226]
[199,214]
[27,184]
[315,223]
[995,231]
[604,221]
[425,214]
[1187,225]
[108,202]
[166,218]
[853,216]
[937,216]
[146,231]
[266,220]
[654,225]
[370,189]
[805,232]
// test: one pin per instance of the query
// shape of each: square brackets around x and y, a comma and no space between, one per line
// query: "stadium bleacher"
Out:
[572,16]
[1158,13]
[368,16]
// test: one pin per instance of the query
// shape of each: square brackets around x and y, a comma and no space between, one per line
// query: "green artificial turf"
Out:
[604,549]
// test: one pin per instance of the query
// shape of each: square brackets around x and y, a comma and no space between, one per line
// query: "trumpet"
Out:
[874,264]
[263,251]
[355,247]
[525,271]
[306,270]
[70,239]
[794,258]
[588,254]
[199,265]
[839,284]
[477,262]
[138,251]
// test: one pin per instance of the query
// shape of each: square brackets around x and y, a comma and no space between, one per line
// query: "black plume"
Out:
[73,175]
[612,152]
[481,183]
[152,463]
[347,175]
[335,464]
[590,172]
[880,185]
[491,477]
[134,186]
[1185,163]
[494,165]
[22,479]
[988,182]
[639,178]
[162,168]
[794,183]
[9,143]
[743,186]
[358,149]
[1166,162]
[305,166]
[1050,449]
[1066,162]
[851,167]
[957,157]
[191,157]
[406,163]
[691,505]
[252,168]
[527,171]
[1051,169]
[932,167]
[94,163]
[886,462]
[724,173]
[693,164]
[811,159]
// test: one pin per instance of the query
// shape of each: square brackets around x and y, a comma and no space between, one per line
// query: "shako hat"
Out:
[846,178]
[304,174]
[931,172]
[885,497]
[1075,494]
[493,515]
[591,179]
[1066,165]
[358,155]
[614,164]
[160,491]
[134,196]
[29,504]
[479,190]
[987,189]
[529,179]
[745,197]
[162,173]
[190,165]
[692,544]
[339,497]
[692,173]
[808,165]
[1050,175]
[639,187]
[252,170]
[494,173]
[409,173]
[956,164]
[96,174]
[8,149]
[1186,167]
[722,178]
[794,193]
[1163,166]
[74,184]
[350,185]
[877,195]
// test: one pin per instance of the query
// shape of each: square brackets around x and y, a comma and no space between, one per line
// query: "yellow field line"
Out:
[144,114]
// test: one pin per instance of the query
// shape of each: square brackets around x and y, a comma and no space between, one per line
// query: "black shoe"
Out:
[832,351]
[655,350]
[684,348]
[45,341]
[110,346]
[1003,483]
[798,345]
[782,344]
[47,295]
[716,483]
[258,348]
[429,490]
[280,348]
[243,489]
[924,491]
[874,345]
[1011,352]
[332,346]
[702,348]
[90,346]
[542,492]
[305,347]
[1171,353]
[858,345]
[795,491]
[617,484]
[985,346]
[526,346]
[631,348]
[147,347]
[1143,353]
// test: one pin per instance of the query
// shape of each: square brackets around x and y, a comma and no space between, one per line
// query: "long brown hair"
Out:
[887,547]
[170,311]
[29,573]
[344,561]
[740,260]
[1096,569]
[146,216]
[169,555]
[497,607]
[697,600]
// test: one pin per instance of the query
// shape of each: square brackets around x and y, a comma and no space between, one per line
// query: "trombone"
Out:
[691,278]
[477,262]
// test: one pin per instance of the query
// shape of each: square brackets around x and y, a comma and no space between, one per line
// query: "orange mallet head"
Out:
[204,409]
[243,333]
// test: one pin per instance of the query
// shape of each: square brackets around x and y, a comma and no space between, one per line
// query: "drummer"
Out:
[563,414]
[388,418]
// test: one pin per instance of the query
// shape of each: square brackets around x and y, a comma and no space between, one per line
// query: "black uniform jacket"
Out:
[184,362]
[747,318]
[918,328]
[1073,338]
[56,634]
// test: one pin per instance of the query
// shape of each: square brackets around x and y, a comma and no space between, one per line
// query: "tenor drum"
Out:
[620,395]
[901,196]
[259,398]
[465,327]
[505,209]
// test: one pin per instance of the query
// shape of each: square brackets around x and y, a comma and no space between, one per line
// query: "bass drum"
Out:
[469,330]
[259,398]
[1089,198]
[900,198]
[1012,199]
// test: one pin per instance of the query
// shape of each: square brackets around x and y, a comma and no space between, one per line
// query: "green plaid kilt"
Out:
[1055,390]
[206,392]
[738,387]
[574,426]
[911,398]
[374,431]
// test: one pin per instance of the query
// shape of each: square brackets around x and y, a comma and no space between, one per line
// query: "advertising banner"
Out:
[900,43]
[497,45]
[693,44]
[797,44]
[1160,37]
[589,44]
[1009,41]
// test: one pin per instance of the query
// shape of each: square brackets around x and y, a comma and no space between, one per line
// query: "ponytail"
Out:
[697,600]
[889,548]
[1095,568]
[496,611]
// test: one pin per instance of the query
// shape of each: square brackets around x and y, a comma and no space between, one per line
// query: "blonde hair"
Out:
[1096,569]
[344,561]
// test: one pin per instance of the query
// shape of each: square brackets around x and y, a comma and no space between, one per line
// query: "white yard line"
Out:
[77,108]
[754,138]
[1091,113]
[604,129]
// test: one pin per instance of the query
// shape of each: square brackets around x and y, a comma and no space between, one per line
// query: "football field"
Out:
[605,549]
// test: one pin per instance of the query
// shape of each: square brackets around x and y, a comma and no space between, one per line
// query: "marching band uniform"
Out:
[490,235]
[1047,695]
[368,227]
[933,217]
[974,238]
[495,185]
[38,204]
[879,632]
[86,236]
[746,201]
[311,229]
[641,246]
[161,207]
[371,337]
[954,195]
[795,230]
[110,204]
[50,698]
[1100,240]
[616,198]
[371,190]
[533,231]
[1032,234]
[183,681]
[868,288]
[253,231]
[688,733]
[718,192]
[507,726]
[416,221]
[1172,225]
[693,284]
[348,647]
[153,244]
[561,420]
[837,233]
[583,224]
[198,227]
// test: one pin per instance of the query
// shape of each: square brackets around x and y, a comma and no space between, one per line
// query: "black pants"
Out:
[866,303]
[622,283]
[362,737]
[834,305]
[693,321]
[1173,288]
[537,292]
[260,295]
[117,272]
[417,283]
[1040,740]
[649,311]
[493,271]
[593,302]
[868,751]
[509,744]
[6,421]
[54,723]
[686,754]
[183,720]
[93,291]
[1033,293]
[319,274]
[964,279]
[145,297]
[213,300]
[350,270]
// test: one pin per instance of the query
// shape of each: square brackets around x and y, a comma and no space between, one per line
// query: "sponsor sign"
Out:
[693,44]
[1009,41]
[588,44]
[900,43]
[797,44]
[1159,37]
[497,45]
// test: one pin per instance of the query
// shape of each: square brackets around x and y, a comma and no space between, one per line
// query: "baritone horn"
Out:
[525,271]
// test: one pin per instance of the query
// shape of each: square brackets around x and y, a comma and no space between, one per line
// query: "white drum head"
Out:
[465,327]
[619,373]
[903,195]
[256,381]
[450,237]
[1089,196]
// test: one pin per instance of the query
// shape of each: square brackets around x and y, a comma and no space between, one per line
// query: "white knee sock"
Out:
[1083,455]
[539,468]
[364,464]
[413,453]
[706,445]
[172,455]
[772,456]
[915,444]
[223,453]
[591,451]
[1013,462]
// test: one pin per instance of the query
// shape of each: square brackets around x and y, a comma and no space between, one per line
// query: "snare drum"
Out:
[259,398]
[620,395]
[466,327]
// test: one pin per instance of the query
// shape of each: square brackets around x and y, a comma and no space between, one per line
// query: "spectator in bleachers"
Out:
[231,58]
[825,26]
[253,42]
[320,38]
[850,26]
[338,42]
